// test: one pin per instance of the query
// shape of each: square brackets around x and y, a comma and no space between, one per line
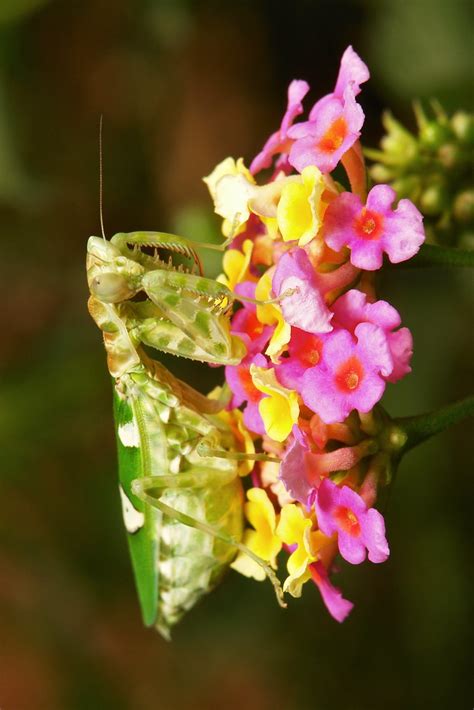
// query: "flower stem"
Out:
[431,255]
[423,426]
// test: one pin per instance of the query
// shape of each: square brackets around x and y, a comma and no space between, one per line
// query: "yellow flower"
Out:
[230,185]
[280,409]
[236,265]
[300,209]
[271,314]
[229,166]
[295,528]
[262,541]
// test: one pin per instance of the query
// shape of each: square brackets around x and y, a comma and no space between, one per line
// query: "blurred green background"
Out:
[181,85]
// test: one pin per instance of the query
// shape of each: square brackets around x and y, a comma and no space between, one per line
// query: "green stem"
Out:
[423,426]
[431,255]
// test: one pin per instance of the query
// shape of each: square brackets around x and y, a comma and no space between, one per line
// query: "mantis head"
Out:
[112,276]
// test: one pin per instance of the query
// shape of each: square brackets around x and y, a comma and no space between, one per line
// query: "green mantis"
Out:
[182,497]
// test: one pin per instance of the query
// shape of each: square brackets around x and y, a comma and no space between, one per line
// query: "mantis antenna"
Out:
[101,180]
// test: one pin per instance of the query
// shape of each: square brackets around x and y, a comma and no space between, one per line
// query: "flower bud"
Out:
[434,134]
[463,127]
[434,200]
[407,186]
[464,206]
[381,173]
[450,155]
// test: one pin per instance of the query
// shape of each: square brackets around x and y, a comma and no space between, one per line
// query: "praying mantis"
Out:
[182,497]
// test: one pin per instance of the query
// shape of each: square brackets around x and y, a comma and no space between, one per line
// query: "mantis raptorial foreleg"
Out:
[141,487]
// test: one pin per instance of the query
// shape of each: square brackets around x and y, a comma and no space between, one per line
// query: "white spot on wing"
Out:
[164,414]
[175,463]
[132,518]
[129,434]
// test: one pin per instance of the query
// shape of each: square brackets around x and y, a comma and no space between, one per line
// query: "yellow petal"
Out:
[292,524]
[280,409]
[299,209]
[231,185]
[248,567]
[236,265]
[229,166]
[293,584]
[270,314]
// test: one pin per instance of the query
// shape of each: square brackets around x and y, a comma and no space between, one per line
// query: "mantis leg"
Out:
[143,488]
[204,450]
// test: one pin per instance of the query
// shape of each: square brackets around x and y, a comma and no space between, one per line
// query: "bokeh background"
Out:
[181,85]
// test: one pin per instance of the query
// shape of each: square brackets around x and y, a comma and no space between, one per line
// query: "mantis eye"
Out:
[110,287]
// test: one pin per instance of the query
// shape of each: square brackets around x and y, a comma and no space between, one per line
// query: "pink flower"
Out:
[332,597]
[350,375]
[374,229]
[240,382]
[276,143]
[305,308]
[352,308]
[304,351]
[323,140]
[359,528]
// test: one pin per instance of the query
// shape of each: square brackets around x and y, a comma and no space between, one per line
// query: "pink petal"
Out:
[352,308]
[373,533]
[352,549]
[401,348]
[373,348]
[306,308]
[325,502]
[338,607]
[293,472]
[381,198]
[352,71]
[252,419]
[297,90]
[404,232]
[338,220]
[319,395]
[366,255]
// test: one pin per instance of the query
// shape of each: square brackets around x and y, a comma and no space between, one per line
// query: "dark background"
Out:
[181,85]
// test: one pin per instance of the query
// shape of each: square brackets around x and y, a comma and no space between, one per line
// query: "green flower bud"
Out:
[463,127]
[450,155]
[408,186]
[434,200]
[380,173]
[434,134]
[464,206]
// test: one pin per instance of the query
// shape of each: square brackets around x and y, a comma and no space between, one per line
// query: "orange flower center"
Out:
[368,224]
[254,327]
[245,378]
[312,353]
[334,136]
[347,521]
[349,375]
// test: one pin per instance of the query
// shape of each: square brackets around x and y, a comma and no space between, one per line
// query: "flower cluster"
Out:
[321,347]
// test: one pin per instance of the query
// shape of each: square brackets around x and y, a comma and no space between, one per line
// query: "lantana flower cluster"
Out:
[321,347]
